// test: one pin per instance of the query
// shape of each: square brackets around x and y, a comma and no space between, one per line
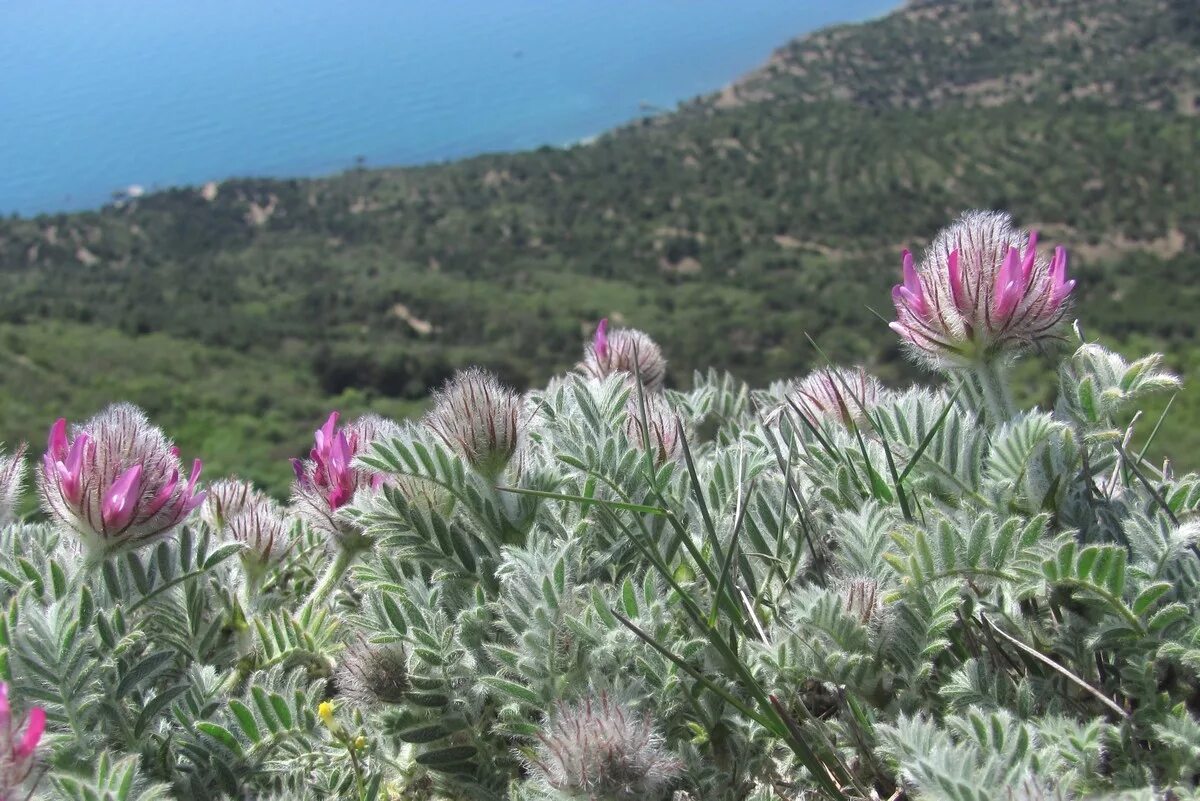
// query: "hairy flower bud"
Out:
[12,479]
[116,480]
[479,419]
[262,527]
[226,499]
[373,673]
[981,292]
[662,425]
[626,351]
[601,750]
[838,394]
[328,480]
[18,751]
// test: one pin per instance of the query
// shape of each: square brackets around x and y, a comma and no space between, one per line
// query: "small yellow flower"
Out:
[360,742]
[325,712]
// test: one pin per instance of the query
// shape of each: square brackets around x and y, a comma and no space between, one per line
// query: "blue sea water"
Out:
[98,95]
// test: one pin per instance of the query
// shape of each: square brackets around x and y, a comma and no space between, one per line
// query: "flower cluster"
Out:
[328,480]
[624,351]
[982,292]
[115,480]
[602,750]
[17,751]
[479,419]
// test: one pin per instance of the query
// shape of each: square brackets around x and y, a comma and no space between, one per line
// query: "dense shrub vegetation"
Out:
[608,589]
[727,230]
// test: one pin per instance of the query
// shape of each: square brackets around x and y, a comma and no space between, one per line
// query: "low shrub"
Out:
[610,590]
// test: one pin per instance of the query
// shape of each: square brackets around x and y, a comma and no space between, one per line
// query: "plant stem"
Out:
[993,386]
[329,580]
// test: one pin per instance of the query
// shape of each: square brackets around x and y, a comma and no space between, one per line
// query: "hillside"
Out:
[730,230]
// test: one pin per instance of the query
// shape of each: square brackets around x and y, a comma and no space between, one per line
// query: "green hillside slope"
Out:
[731,230]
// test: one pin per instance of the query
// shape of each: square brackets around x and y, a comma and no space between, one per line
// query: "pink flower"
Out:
[17,750]
[981,292]
[116,480]
[328,480]
[619,351]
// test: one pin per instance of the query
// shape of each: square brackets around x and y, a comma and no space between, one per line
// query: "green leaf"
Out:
[447,756]
[513,690]
[143,671]
[279,704]
[87,607]
[1147,597]
[602,608]
[221,554]
[629,507]
[221,734]
[423,734]
[629,598]
[1168,616]
[157,704]
[391,611]
[263,703]
[245,719]
[58,579]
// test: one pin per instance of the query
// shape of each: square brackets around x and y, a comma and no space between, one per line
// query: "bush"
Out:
[820,589]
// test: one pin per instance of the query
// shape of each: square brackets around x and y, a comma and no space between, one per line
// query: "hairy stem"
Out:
[992,382]
[330,578]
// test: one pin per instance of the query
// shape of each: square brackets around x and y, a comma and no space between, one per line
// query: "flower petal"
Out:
[120,502]
[33,733]
[600,344]
[56,444]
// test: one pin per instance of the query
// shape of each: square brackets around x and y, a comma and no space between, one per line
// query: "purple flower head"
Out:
[115,481]
[600,749]
[844,396]
[981,292]
[18,750]
[625,351]
[328,479]
[12,479]
[479,419]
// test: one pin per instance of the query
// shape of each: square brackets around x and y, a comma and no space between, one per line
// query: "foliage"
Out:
[918,600]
